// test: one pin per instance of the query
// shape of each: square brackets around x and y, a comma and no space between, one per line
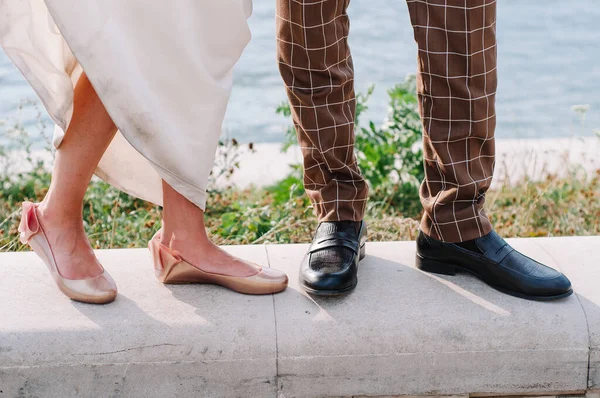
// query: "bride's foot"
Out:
[78,280]
[208,257]
[72,251]
[204,262]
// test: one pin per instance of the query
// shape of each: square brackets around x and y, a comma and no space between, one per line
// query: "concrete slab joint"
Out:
[401,333]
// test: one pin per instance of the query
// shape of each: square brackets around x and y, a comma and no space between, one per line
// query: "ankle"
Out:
[189,243]
[183,235]
[59,215]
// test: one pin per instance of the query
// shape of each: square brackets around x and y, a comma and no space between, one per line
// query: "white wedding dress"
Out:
[161,68]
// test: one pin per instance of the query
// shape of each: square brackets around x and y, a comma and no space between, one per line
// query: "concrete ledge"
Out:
[402,332]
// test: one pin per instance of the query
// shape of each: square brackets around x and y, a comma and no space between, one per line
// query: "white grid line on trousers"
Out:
[446,53]
[318,70]
[449,6]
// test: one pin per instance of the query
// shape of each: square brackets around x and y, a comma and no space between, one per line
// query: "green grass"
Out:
[553,207]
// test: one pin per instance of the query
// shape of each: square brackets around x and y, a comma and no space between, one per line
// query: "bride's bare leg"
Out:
[89,134]
[184,231]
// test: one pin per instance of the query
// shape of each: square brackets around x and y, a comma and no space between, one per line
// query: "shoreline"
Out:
[535,158]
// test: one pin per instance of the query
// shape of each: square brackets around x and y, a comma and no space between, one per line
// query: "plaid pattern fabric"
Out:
[456,84]
[316,66]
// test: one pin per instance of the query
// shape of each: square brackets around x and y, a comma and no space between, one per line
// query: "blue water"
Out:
[548,60]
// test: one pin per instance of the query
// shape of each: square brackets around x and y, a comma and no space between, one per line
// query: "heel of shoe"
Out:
[29,225]
[363,252]
[155,252]
[436,267]
[169,267]
[39,245]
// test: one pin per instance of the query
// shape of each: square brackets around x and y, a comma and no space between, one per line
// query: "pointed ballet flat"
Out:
[170,268]
[97,290]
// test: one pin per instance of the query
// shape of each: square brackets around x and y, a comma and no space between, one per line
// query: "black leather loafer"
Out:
[496,263]
[331,265]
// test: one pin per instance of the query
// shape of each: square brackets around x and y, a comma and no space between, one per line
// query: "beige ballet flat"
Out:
[170,268]
[97,290]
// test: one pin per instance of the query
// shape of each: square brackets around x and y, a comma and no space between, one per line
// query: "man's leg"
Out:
[316,66]
[456,86]
[457,91]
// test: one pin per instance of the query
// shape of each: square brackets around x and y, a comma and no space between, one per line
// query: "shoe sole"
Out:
[338,292]
[438,267]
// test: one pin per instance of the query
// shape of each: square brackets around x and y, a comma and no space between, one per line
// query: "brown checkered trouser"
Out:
[456,84]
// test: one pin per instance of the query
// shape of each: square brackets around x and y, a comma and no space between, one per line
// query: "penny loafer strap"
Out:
[499,255]
[339,239]
[494,247]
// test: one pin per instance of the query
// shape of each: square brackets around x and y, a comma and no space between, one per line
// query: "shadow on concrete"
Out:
[116,314]
[414,311]
[388,280]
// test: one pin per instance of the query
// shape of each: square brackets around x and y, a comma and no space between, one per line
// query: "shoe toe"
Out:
[101,289]
[274,275]
[561,285]
[267,281]
[328,281]
[108,287]
[551,288]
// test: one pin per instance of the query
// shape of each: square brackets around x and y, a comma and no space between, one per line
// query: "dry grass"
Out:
[552,207]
